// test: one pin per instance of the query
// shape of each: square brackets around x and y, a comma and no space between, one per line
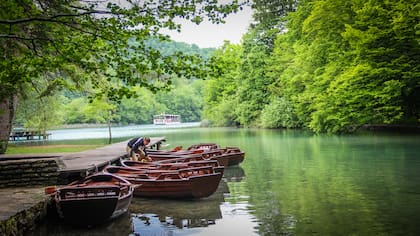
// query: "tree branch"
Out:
[13,36]
[51,18]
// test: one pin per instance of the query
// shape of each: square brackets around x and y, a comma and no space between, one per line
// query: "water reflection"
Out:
[290,183]
[221,213]
[334,185]
[234,174]
[52,227]
[179,213]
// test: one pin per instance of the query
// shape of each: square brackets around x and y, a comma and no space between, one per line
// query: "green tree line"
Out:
[325,65]
[37,110]
[67,107]
[74,106]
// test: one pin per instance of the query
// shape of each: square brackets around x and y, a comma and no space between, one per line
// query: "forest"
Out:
[325,65]
[330,66]
[74,107]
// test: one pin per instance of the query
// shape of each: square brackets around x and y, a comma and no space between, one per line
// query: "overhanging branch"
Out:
[52,18]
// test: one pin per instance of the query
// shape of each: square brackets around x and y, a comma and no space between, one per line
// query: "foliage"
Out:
[328,65]
[139,110]
[184,100]
[278,114]
[363,64]
[37,37]
[98,43]
[76,108]
[172,47]
[38,112]
[220,92]
[252,90]
[241,93]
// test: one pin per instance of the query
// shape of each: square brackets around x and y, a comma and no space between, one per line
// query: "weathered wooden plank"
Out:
[95,159]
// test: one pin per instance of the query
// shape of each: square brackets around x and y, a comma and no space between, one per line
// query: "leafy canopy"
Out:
[64,37]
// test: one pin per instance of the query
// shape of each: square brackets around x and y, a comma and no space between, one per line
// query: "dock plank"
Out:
[92,160]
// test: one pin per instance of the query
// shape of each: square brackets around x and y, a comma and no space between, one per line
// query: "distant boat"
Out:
[166,119]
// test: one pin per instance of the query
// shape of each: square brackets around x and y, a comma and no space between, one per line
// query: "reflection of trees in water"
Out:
[273,222]
[160,222]
[152,212]
[164,216]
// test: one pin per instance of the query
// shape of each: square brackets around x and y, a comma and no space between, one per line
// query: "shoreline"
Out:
[415,129]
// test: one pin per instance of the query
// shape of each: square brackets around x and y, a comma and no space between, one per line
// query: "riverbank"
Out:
[49,148]
[82,125]
[392,128]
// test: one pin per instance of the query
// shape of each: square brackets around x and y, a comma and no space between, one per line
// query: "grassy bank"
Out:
[50,148]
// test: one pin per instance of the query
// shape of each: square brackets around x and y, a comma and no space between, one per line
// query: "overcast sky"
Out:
[207,34]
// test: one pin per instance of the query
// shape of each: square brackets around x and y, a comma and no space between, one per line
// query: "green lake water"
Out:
[291,183]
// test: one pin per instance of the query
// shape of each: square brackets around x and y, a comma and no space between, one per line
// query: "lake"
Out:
[291,183]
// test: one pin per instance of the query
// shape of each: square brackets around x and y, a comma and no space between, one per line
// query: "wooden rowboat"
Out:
[94,199]
[167,165]
[176,151]
[233,154]
[207,155]
[227,156]
[196,182]
[203,146]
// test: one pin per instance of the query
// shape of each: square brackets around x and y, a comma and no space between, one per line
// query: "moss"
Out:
[9,227]
[24,221]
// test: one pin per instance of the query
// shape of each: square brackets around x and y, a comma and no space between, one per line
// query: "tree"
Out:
[253,91]
[37,112]
[60,37]
[220,91]
[184,99]
[139,109]
[345,64]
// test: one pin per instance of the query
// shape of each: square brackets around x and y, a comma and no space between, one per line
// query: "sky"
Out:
[207,34]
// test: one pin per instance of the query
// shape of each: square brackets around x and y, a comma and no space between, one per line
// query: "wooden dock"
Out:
[27,135]
[83,163]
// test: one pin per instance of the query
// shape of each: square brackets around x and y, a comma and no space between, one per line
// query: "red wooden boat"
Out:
[233,154]
[172,165]
[195,182]
[206,155]
[203,146]
[94,199]
[176,151]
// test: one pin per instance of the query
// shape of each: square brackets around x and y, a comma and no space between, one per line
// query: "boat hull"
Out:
[192,187]
[234,158]
[94,203]
[218,156]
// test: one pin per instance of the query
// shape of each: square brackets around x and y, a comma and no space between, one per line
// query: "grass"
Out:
[51,148]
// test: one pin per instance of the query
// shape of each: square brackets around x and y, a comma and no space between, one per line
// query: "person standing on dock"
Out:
[136,149]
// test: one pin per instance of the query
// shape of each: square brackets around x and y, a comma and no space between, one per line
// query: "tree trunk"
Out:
[109,128]
[7,112]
